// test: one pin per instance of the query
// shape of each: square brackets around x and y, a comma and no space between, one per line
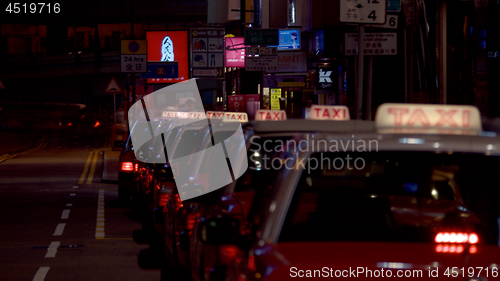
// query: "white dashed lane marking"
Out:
[52,249]
[69,204]
[72,194]
[65,214]
[75,186]
[41,273]
[59,229]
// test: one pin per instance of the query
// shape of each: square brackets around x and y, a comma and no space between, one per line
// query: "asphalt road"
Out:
[59,221]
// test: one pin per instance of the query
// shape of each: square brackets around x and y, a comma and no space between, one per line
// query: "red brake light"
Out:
[164,199]
[191,218]
[227,253]
[454,237]
[127,166]
[136,167]
[97,124]
[251,262]
[473,238]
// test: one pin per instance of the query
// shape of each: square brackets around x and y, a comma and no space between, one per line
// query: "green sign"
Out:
[261,37]
[394,5]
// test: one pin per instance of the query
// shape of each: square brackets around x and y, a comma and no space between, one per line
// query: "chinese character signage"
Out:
[236,103]
[207,52]
[168,46]
[375,43]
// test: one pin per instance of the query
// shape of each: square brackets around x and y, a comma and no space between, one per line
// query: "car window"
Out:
[394,196]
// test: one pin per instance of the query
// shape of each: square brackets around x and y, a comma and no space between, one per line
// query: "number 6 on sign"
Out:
[363,11]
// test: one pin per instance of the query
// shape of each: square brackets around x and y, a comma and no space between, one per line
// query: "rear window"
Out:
[260,154]
[394,196]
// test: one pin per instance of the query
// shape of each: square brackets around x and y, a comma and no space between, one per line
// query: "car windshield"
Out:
[394,196]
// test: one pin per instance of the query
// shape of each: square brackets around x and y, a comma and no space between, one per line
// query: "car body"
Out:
[416,208]
[178,214]
[129,172]
[263,138]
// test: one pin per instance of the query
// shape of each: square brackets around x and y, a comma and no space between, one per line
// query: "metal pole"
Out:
[360,68]
[406,63]
[443,46]
[114,106]
[369,84]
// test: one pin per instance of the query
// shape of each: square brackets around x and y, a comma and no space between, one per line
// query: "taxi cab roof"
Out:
[419,127]
[303,125]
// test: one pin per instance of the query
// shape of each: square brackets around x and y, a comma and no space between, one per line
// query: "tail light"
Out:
[136,167]
[164,199]
[227,253]
[191,219]
[97,124]
[456,242]
[127,166]
[454,237]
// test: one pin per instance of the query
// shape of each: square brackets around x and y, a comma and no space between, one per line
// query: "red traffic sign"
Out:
[113,86]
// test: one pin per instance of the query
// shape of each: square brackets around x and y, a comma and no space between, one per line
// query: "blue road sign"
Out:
[162,70]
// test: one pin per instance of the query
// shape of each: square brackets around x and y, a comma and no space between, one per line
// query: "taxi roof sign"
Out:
[197,115]
[215,114]
[270,115]
[329,112]
[235,117]
[429,116]
[169,114]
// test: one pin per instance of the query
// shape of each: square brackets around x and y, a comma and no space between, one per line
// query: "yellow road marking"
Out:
[91,162]
[92,170]
[82,177]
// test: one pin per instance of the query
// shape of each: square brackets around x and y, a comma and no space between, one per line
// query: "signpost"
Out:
[362,12]
[375,43]
[134,56]
[261,37]
[261,63]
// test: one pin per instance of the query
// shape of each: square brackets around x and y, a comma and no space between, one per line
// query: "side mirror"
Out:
[119,143]
[219,231]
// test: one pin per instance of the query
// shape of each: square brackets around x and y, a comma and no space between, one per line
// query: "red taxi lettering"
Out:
[398,115]
[418,116]
[446,117]
[466,118]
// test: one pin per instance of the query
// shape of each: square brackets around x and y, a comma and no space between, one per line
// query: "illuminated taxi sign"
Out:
[215,114]
[329,112]
[169,114]
[182,115]
[235,117]
[197,115]
[433,116]
[270,115]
